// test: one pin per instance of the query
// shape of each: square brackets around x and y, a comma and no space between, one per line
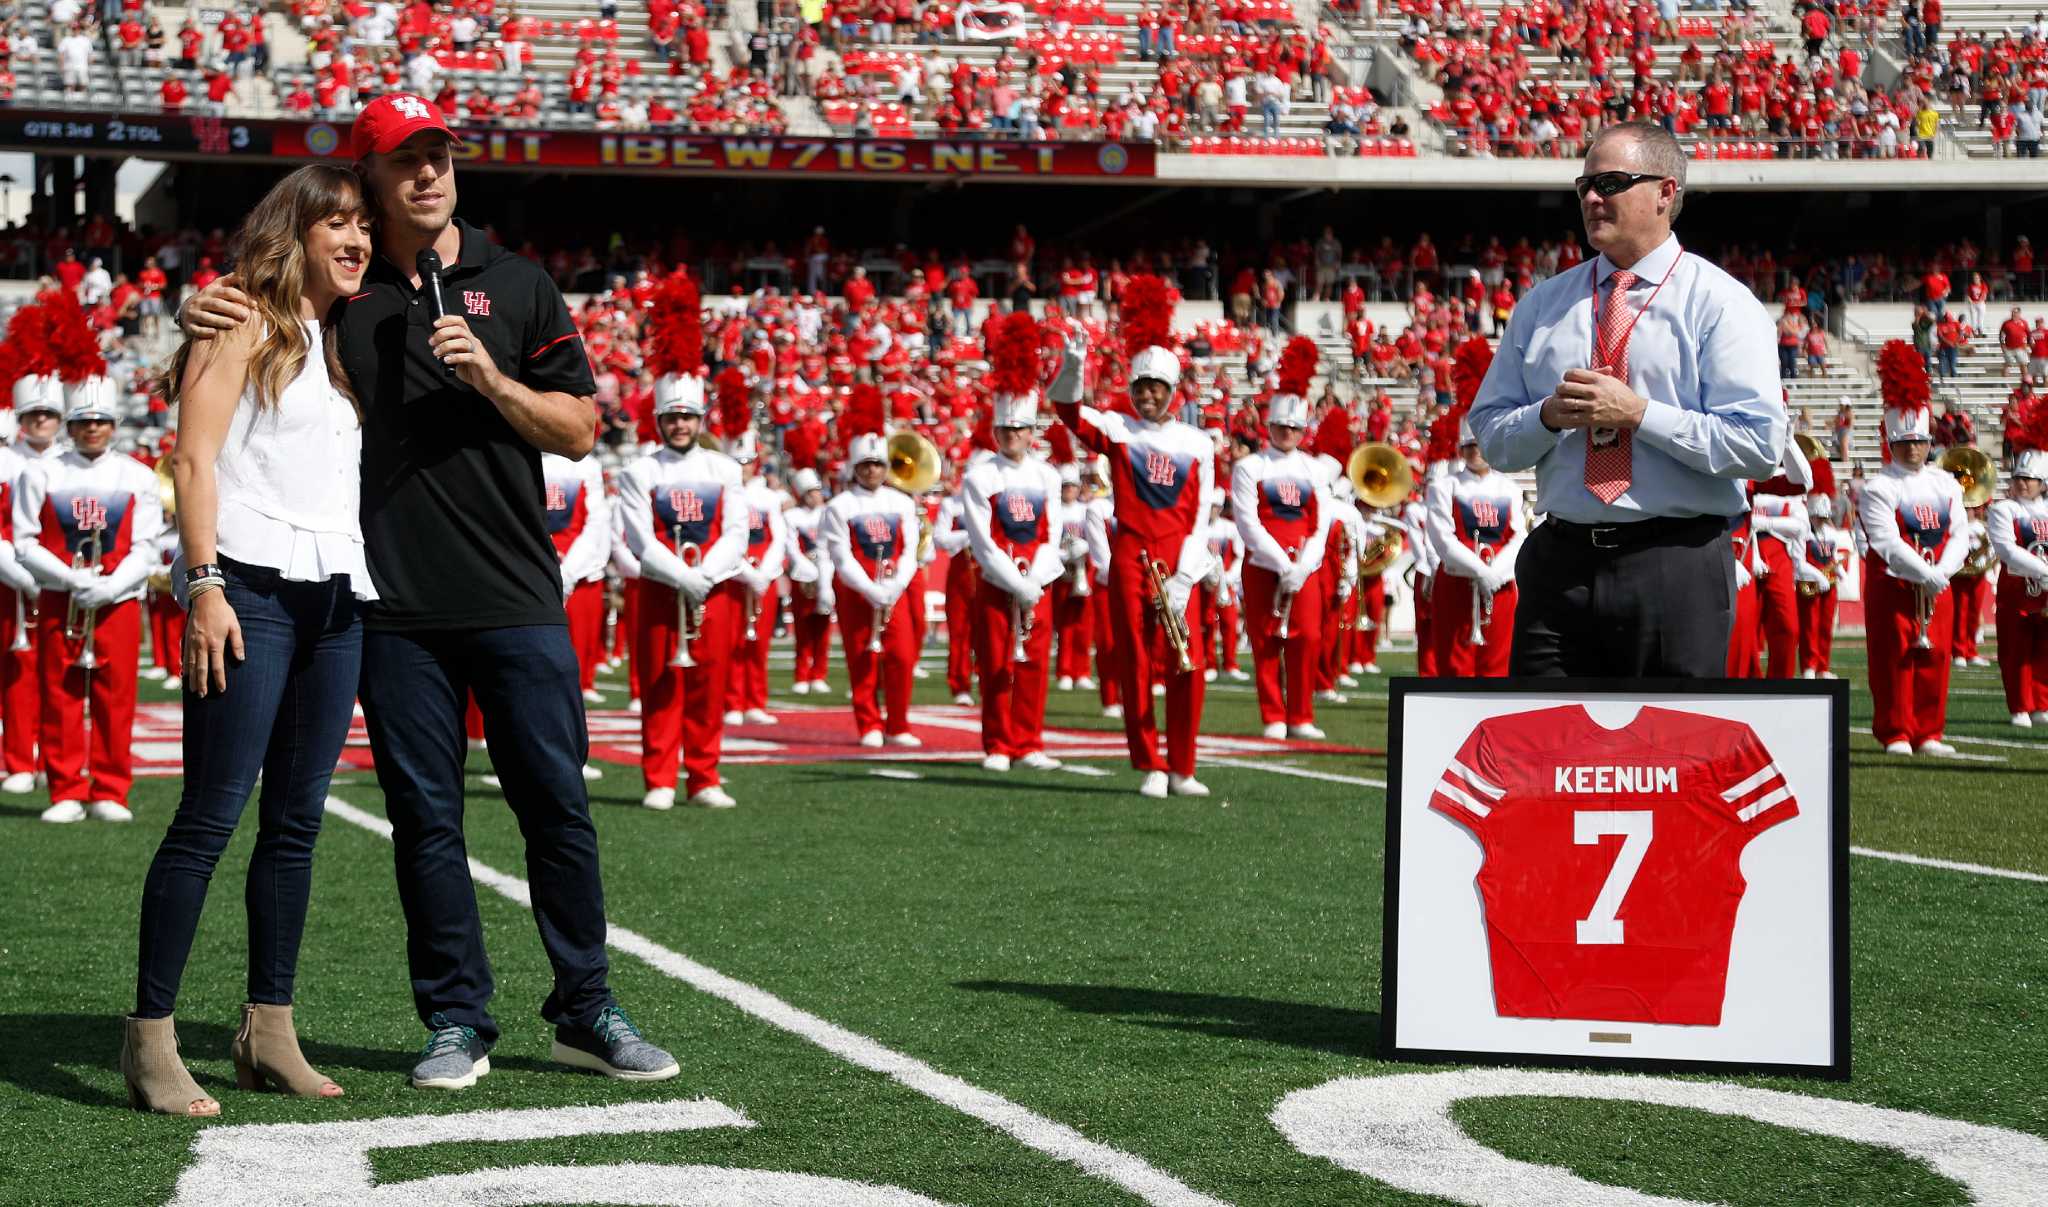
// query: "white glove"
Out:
[98,594]
[881,595]
[1742,576]
[757,582]
[1344,586]
[1294,578]
[1066,384]
[1029,595]
[1179,589]
[1825,584]
[77,582]
[1075,550]
[1932,579]
[694,583]
[569,583]
[1497,577]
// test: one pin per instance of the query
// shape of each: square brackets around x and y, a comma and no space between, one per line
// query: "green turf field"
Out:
[1145,979]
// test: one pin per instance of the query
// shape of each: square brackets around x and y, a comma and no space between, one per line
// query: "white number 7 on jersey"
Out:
[1601,926]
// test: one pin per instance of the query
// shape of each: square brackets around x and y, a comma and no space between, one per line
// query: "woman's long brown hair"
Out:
[269,258]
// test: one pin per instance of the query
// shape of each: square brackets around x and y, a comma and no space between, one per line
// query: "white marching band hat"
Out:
[1286,410]
[1156,364]
[871,446]
[678,394]
[1465,435]
[1015,410]
[805,481]
[1907,425]
[92,398]
[1820,506]
[39,392]
[1070,474]
[2032,464]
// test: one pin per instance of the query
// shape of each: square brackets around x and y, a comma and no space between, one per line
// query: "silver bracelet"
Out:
[194,590]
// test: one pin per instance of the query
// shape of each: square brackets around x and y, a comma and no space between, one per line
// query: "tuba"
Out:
[1973,472]
[913,463]
[1380,474]
[1379,555]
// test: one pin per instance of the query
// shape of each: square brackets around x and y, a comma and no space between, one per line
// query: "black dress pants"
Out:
[1652,600]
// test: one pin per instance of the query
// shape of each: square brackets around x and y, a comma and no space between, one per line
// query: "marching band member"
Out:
[869,531]
[686,522]
[1072,612]
[86,524]
[1778,527]
[1424,563]
[1371,626]
[1817,599]
[1096,529]
[166,618]
[1164,472]
[39,410]
[760,572]
[812,604]
[579,523]
[1283,515]
[949,538]
[1972,590]
[2019,535]
[1745,632]
[1914,518]
[1476,527]
[1223,593]
[626,621]
[1332,446]
[1011,512]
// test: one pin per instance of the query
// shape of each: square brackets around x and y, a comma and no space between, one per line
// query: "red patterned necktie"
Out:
[1608,462]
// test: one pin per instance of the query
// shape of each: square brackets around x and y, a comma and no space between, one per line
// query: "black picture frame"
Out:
[1835,691]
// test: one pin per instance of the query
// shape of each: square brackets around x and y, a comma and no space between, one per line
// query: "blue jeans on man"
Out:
[416,687]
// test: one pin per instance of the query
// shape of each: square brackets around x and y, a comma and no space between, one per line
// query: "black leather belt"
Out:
[1657,530]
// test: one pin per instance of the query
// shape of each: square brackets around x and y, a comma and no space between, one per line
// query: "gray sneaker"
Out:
[453,1058]
[613,1047]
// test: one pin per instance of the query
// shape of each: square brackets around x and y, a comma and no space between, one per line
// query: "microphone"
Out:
[428,265]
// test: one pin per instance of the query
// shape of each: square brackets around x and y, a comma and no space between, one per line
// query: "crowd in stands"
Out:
[1715,77]
[1996,84]
[1215,70]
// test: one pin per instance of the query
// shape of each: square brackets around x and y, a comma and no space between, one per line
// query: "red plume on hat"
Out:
[864,415]
[28,350]
[1901,382]
[1062,443]
[1334,437]
[735,402]
[1297,366]
[1146,314]
[674,335]
[1468,368]
[74,349]
[1901,377]
[802,443]
[984,437]
[1012,345]
[1443,437]
[1823,478]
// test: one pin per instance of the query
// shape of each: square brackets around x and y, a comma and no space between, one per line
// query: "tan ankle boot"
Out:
[266,1055]
[157,1080]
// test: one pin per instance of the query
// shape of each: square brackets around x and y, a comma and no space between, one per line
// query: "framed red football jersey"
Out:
[1607,874]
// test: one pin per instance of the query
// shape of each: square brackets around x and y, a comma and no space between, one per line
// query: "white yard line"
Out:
[1052,1138]
[1302,772]
[1951,738]
[1951,865]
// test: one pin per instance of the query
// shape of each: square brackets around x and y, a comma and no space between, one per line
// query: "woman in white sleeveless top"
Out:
[271,569]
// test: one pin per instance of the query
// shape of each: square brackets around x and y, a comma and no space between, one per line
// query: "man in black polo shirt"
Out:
[456,414]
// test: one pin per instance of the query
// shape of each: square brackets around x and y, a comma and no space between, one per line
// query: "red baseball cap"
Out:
[391,119]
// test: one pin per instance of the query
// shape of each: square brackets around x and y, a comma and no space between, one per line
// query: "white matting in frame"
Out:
[1784,1006]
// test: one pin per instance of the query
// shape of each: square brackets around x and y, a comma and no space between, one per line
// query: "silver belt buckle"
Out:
[1600,532]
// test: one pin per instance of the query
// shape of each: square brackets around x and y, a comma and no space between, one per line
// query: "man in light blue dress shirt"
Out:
[1642,409]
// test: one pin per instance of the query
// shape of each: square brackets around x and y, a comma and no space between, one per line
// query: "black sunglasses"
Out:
[1609,184]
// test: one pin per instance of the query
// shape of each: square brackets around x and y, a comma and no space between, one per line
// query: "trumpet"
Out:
[2037,587]
[1981,558]
[753,612]
[885,571]
[1807,588]
[690,554]
[21,621]
[1923,617]
[1020,619]
[1283,602]
[79,622]
[1175,625]
[1482,604]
